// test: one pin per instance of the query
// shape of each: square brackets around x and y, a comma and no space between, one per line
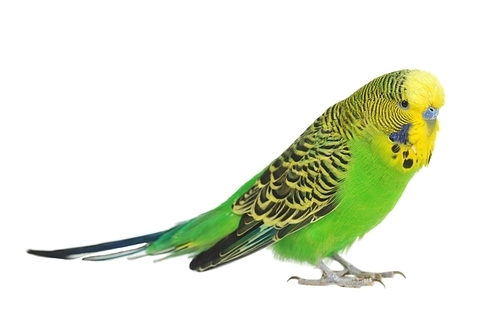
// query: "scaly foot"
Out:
[349,277]
[350,269]
[338,278]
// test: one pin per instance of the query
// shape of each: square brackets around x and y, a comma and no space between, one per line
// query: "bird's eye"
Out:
[404,105]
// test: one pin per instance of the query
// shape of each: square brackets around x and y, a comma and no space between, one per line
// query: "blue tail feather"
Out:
[77,252]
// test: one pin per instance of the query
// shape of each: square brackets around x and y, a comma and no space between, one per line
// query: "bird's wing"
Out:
[298,188]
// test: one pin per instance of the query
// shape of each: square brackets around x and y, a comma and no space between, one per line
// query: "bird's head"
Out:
[424,96]
[404,106]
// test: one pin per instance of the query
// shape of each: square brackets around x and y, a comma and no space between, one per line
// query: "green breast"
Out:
[369,192]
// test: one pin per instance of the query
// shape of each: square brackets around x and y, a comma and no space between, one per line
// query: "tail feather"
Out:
[115,255]
[83,251]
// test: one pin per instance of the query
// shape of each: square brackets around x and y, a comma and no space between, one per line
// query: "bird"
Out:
[337,181]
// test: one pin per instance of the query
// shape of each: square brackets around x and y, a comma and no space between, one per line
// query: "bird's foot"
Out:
[339,278]
[350,269]
[349,277]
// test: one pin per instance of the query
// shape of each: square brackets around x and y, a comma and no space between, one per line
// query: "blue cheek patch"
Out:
[400,136]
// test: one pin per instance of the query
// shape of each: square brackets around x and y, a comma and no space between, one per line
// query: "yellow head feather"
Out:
[396,109]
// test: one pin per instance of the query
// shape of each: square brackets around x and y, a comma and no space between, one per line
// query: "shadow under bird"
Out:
[335,182]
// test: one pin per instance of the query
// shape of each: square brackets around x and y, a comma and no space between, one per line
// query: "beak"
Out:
[430,115]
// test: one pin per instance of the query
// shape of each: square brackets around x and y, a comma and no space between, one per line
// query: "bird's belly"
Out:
[367,194]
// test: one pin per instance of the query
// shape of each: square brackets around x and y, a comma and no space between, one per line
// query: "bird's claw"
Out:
[379,281]
[400,273]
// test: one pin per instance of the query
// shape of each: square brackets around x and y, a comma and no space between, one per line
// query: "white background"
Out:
[123,118]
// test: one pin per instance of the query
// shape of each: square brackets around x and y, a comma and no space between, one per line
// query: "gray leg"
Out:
[329,277]
[349,277]
[351,270]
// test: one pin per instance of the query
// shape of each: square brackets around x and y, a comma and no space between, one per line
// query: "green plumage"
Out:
[337,181]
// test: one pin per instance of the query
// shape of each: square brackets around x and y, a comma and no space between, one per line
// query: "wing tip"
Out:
[199,265]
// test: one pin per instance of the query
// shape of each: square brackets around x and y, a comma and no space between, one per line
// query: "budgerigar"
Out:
[338,180]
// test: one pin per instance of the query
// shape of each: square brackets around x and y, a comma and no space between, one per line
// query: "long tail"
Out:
[83,251]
